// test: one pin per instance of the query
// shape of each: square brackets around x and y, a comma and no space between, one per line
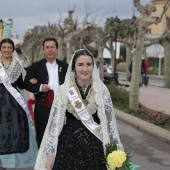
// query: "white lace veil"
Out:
[15,69]
[57,117]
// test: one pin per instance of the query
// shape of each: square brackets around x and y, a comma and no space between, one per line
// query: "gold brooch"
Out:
[60,69]
[78,104]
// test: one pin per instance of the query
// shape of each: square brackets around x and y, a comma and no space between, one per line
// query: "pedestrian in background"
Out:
[146,78]
[23,58]
[142,72]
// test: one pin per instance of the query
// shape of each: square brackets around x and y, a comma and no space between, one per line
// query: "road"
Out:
[153,79]
[149,152]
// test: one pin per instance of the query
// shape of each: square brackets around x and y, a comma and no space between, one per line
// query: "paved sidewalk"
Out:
[156,98]
[151,129]
[153,97]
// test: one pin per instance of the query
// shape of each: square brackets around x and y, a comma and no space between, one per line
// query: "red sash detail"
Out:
[49,97]
[48,100]
[30,102]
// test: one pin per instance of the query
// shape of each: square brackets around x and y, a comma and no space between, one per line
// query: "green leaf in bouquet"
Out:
[110,148]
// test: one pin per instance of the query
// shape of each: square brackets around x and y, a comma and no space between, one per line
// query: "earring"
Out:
[75,74]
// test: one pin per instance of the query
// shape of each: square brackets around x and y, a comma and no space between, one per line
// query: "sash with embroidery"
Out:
[83,113]
[18,97]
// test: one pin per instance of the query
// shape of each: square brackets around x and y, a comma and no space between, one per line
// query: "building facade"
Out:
[5,28]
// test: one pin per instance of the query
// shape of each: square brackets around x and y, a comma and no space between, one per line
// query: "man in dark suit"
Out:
[43,78]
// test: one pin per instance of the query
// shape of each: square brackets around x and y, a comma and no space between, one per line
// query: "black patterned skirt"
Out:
[14,132]
[78,148]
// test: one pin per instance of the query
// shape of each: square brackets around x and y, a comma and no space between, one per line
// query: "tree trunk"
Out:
[134,87]
[136,69]
[101,69]
[112,55]
[60,49]
[167,64]
[128,60]
[68,38]
[69,51]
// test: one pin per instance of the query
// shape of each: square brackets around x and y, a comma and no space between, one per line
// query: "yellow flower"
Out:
[116,159]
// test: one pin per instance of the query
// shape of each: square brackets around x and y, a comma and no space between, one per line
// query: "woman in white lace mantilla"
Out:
[81,121]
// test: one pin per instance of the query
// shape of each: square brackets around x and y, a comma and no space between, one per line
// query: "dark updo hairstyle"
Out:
[7,40]
[79,53]
[18,50]
[51,39]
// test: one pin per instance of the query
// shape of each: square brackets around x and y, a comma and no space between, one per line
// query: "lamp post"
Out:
[116,22]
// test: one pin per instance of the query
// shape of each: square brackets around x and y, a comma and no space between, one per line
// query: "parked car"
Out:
[108,76]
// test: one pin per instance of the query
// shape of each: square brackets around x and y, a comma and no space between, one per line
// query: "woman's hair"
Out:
[18,50]
[51,39]
[7,40]
[79,53]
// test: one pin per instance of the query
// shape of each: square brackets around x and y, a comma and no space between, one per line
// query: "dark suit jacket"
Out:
[39,71]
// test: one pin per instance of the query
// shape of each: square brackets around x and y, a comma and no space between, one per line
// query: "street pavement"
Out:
[151,152]
[154,80]
[155,97]
[148,152]
[150,142]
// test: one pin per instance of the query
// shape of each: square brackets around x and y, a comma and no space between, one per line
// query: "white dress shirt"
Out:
[53,76]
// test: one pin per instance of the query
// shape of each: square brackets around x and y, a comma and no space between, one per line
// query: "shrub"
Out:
[155,117]
[119,96]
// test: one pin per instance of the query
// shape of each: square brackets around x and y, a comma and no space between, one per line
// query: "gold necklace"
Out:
[6,65]
[83,88]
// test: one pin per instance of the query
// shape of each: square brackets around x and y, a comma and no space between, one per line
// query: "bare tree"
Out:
[32,44]
[110,38]
[65,29]
[164,40]
[127,32]
[142,22]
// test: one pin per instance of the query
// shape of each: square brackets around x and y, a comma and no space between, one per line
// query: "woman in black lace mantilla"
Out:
[17,143]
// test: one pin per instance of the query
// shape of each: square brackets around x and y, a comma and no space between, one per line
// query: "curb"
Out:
[151,129]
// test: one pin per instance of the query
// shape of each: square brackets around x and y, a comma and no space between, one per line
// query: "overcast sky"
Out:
[26,13]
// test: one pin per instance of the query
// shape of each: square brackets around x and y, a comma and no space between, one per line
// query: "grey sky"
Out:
[26,13]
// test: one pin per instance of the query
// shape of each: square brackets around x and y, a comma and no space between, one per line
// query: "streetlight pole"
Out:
[116,22]
[115,63]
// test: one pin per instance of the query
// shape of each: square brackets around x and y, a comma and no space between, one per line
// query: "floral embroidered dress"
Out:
[18,148]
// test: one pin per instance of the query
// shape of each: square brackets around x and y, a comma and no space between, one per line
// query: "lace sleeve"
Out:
[105,111]
[55,124]
[107,117]
[111,120]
